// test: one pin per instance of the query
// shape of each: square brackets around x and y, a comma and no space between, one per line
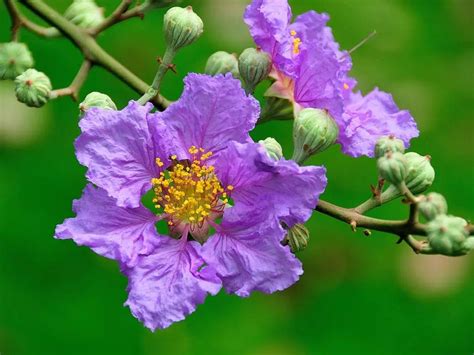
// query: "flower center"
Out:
[296,42]
[189,192]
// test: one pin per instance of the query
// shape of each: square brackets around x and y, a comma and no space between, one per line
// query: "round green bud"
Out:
[33,88]
[97,99]
[254,66]
[272,147]
[433,205]
[84,13]
[314,131]
[222,62]
[182,27]
[420,172]
[388,144]
[447,235]
[15,58]
[297,238]
[393,168]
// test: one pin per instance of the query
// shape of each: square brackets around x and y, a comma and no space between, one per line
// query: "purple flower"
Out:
[311,71]
[367,118]
[202,167]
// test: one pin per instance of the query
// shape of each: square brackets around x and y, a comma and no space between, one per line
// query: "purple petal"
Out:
[167,285]
[318,84]
[111,231]
[211,112]
[117,148]
[248,256]
[367,118]
[291,191]
[268,22]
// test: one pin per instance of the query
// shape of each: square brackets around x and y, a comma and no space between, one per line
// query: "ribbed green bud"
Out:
[420,172]
[32,88]
[222,62]
[297,238]
[182,27]
[15,58]
[388,144]
[314,131]
[84,13]
[272,147]
[393,167]
[254,66]
[97,99]
[433,205]
[447,235]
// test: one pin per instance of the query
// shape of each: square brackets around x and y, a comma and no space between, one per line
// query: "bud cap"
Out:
[182,27]
[447,235]
[433,205]
[388,144]
[254,66]
[297,238]
[314,131]
[33,88]
[15,58]
[222,62]
[272,147]
[97,99]
[393,168]
[84,13]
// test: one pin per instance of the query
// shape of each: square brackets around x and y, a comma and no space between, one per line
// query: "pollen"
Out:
[296,42]
[346,87]
[189,191]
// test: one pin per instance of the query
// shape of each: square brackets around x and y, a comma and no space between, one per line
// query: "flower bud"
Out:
[388,144]
[433,205]
[314,131]
[182,27]
[393,168]
[254,66]
[447,235]
[32,88]
[272,147]
[85,14]
[15,58]
[222,62]
[420,172]
[97,99]
[297,238]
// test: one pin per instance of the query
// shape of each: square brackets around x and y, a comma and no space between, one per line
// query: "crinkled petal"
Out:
[167,285]
[291,191]
[367,118]
[211,112]
[117,149]
[319,81]
[268,22]
[247,254]
[114,232]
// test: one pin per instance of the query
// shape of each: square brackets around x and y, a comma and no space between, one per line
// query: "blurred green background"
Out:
[359,295]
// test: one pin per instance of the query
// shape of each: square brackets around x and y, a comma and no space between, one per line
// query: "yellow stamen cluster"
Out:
[346,87]
[189,190]
[296,42]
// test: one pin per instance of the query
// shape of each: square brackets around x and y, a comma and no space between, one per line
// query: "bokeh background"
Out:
[359,295]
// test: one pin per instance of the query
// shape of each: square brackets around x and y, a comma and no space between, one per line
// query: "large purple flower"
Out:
[311,71]
[203,168]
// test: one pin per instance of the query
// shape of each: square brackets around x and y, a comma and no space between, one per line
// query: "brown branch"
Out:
[120,14]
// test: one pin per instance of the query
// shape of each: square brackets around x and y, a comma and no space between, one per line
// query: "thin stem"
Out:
[413,217]
[115,17]
[165,64]
[73,89]
[91,50]
[18,21]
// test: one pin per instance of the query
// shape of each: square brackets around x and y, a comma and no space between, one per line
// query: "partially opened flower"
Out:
[222,197]
[311,70]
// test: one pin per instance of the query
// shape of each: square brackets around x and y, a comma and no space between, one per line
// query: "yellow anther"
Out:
[230,187]
[346,87]
[293,32]
[159,162]
[174,157]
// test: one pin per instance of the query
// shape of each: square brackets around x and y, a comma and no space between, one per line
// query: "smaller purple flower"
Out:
[198,159]
[311,71]
[367,118]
